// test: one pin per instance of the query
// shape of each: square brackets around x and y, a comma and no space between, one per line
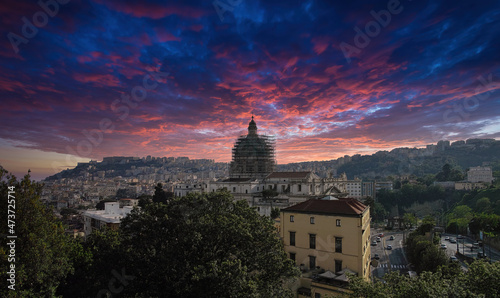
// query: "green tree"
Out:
[42,250]
[204,245]
[483,205]
[65,212]
[161,196]
[275,213]
[94,264]
[144,200]
[409,220]
[269,194]
[481,280]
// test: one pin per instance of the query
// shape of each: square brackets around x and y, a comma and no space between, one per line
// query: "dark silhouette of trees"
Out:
[43,251]
[161,196]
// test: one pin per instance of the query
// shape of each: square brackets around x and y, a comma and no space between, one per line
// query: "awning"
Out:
[328,274]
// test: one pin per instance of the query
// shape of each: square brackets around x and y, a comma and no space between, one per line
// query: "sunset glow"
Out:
[173,78]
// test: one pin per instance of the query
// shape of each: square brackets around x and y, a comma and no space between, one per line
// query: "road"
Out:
[465,245]
[390,259]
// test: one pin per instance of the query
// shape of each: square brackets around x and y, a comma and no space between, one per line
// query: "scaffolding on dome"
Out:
[253,157]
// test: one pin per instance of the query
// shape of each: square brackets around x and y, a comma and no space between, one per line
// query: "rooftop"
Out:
[344,206]
[296,175]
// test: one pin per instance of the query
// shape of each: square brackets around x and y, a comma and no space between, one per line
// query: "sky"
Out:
[82,80]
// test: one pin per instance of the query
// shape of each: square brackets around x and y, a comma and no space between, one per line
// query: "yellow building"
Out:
[327,238]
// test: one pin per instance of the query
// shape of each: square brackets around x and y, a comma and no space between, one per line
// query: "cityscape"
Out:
[250,149]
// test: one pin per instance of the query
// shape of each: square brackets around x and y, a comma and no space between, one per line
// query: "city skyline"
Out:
[326,79]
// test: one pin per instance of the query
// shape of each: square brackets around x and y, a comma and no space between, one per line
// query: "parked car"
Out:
[460,237]
[378,239]
[453,259]
[376,257]
[447,238]
[452,240]
[480,255]
[389,247]
[443,246]
[391,238]
[374,243]
[381,234]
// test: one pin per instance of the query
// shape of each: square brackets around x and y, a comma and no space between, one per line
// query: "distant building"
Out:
[252,172]
[379,185]
[368,189]
[470,185]
[110,217]
[326,238]
[128,202]
[445,184]
[480,174]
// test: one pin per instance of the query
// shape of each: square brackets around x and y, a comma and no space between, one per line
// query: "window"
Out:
[291,218]
[246,190]
[338,265]
[338,222]
[312,262]
[300,187]
[292,238]
[338,244]
[292,256]
[257,188]
[312,241]
[234,189]
[312,220]
[317,295]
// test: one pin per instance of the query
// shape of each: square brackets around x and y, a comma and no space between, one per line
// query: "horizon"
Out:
[94,79]
[215,161]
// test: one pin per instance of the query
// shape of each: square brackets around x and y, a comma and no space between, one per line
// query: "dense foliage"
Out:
[196,246]
[43,252]
[481,280]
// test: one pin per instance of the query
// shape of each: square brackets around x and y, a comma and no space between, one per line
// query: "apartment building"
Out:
[326,238]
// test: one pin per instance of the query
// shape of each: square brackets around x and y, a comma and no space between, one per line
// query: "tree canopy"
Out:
[42,249]
[481,280]
[201,245]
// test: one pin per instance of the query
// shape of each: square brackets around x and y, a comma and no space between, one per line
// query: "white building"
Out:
[111,217]
[480,174]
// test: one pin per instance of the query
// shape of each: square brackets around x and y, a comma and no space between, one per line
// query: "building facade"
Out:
[110,217]
[327,237]
[480,174]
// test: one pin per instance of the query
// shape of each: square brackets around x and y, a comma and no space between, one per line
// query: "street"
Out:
[389,259]
[467,247]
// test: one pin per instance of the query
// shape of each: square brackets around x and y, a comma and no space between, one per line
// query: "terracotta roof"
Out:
[299,175]
[346,206]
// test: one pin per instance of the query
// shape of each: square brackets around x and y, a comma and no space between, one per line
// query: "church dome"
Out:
[253,155]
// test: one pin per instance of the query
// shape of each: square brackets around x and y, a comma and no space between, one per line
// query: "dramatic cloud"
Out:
[182,78]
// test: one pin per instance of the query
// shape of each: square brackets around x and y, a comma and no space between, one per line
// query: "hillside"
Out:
[402,161]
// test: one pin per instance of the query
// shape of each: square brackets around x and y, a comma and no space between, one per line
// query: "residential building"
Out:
[327,237]
[480,174]
[464,185]
[110,217]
